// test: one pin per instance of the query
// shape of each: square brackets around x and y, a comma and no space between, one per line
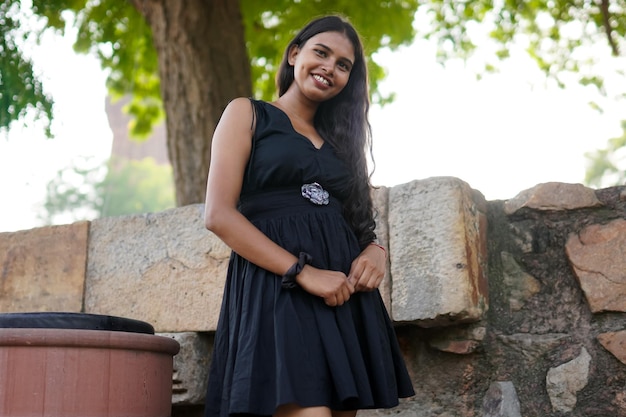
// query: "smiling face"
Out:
[322,65]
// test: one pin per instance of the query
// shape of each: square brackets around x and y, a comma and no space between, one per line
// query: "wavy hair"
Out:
[343,122]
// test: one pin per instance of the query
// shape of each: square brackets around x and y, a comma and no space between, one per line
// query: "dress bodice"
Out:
[282,158]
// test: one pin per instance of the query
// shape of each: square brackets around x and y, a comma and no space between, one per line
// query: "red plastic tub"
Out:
[81,365]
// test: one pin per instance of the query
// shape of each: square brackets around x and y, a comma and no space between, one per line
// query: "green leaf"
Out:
[21,91]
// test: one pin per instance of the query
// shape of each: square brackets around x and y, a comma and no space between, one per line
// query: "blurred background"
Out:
[502,98]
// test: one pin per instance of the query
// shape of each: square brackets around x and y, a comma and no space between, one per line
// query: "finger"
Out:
[346,295]
[356,270]
[368,283]
[376,281]
[331,301]
[342,295]
[364,279]
[351,287]
[365,287]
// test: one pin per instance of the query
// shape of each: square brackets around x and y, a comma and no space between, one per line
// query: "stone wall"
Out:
[503,308]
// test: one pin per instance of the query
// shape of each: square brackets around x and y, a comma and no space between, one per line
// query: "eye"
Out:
[320,53]
[344,66]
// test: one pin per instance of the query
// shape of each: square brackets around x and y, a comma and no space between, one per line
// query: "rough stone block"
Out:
[519,286]
[565,381]
[533,347]
[43,269]
[191,367]
[437,237]
[553,196]
[461,340]
[597,255]
[615,342]
[501,400]
[380,197]
[164,268]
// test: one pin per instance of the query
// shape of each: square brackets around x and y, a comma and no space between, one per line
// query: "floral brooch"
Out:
[315,194]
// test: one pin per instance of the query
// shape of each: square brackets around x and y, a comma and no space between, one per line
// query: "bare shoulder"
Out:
[235,126]
[238,116]
[240,106]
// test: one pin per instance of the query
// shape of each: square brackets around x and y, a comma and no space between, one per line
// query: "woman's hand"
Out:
[333,286]
[368,269]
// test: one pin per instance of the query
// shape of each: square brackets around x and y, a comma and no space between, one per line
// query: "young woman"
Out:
[303,330]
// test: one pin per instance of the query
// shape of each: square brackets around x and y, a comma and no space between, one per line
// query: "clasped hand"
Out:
[366,274]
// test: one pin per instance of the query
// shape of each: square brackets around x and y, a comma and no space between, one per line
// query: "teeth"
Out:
[321,79]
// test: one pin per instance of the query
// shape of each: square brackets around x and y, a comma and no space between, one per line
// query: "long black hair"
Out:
[343,122]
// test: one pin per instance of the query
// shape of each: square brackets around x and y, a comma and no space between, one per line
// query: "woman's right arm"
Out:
[230,150]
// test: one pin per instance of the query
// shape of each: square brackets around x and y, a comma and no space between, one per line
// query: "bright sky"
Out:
[501,135]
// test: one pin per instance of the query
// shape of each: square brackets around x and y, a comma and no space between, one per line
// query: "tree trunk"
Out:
[203,64]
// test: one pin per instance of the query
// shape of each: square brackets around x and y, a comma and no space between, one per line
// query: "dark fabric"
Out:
[289,277]
[277,346]
[282,158]
[75,321]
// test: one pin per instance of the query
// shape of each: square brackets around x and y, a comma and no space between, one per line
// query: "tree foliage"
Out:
[606,166]
[118,34]
[270,26]
[84,192]
[20,89]
[561,36]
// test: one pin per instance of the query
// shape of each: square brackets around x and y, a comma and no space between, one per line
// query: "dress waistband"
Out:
[283,201]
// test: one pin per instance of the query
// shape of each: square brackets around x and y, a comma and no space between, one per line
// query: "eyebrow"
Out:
[329,49]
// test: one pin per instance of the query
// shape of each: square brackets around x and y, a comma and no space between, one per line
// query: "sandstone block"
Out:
[615,342]
[43,269]
[598,257]
[164,268]
[437,238]
[553,196]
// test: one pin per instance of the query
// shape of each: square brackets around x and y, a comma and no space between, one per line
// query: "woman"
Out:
[302,330]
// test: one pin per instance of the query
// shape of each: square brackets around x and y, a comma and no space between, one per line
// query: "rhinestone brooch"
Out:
[315,194]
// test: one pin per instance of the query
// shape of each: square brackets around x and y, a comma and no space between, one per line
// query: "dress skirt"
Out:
[277,346]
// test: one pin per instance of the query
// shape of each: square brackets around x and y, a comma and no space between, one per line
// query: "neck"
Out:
[298,108]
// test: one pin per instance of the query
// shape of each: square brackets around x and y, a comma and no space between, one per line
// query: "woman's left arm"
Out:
[368,269]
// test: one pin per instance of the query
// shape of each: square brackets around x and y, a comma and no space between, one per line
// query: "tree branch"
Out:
[606,22]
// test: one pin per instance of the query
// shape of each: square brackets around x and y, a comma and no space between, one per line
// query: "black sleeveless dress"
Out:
[277,346]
